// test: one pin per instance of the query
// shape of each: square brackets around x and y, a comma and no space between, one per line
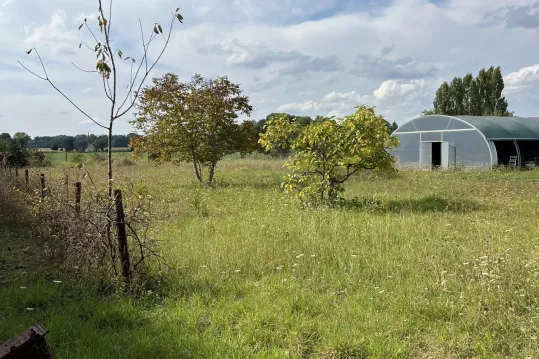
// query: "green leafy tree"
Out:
[22,138]
[479,96]
[279,133]
[391,127]
[100,144]
[328,152]
[16,153]
[192,122]
[54,146]
[69,143]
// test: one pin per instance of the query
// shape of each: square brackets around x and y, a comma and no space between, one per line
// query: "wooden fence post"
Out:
[122,237]
[43,191]
[26,177]
[66,184]
[16,172]
[78,190]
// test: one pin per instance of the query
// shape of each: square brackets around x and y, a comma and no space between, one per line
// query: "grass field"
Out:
[419,265]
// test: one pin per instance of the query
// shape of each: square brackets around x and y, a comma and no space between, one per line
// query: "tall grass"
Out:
[413,265]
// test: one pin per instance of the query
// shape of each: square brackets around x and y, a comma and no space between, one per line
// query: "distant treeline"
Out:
[301,120]
[79,142]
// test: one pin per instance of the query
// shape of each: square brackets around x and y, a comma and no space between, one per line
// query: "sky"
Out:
[305,57]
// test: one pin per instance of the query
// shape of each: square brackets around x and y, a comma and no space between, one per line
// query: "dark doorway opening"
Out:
[505,150]
[436,154]
[529,153]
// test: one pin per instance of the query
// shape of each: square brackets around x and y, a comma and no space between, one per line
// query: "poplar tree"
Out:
[469,96]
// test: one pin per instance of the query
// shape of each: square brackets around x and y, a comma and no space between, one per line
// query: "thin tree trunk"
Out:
[110,205]
[109,161]
[212,172]
[198,171]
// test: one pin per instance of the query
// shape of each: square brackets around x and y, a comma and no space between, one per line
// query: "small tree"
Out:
[328,152]
[54,147]
[22,138]
[100,144]
[109,60]
[69,143]
[192,122]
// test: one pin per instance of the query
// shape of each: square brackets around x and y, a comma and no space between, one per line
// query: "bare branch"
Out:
[88,46]
[143,42]
[114,77]
[137,92]
[91,32]
[42,65]
[30,71]
[88,71]
[46,78]
[107,93]
[110,15]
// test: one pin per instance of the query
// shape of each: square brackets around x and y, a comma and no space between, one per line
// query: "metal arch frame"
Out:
[473,128]
[519,157]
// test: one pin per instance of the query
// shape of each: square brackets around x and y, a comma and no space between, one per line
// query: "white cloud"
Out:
[255,54]
[400,68]
[3,5]
[332,104]
[79,19]
[54,36]
[523,79]
[515,16]
[200,10]
[398,90]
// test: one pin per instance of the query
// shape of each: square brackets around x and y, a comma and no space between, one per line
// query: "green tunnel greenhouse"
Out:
[438,141]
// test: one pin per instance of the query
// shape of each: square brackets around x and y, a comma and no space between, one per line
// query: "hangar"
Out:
[438,141]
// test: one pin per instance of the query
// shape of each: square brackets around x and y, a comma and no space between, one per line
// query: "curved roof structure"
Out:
[492,127]
[504,128]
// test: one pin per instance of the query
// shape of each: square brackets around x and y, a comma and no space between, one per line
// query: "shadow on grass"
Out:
[420,205]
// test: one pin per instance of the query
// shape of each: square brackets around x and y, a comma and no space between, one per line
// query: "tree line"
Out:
[469,96]
[302,121]
[81,142]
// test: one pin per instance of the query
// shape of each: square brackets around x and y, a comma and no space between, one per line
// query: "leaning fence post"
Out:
[43,190]
[78,190]
[66,184]
[122,236]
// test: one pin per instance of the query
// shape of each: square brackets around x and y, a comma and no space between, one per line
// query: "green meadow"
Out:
[410,265]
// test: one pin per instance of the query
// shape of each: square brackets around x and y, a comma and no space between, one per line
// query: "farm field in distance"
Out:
[414,265]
